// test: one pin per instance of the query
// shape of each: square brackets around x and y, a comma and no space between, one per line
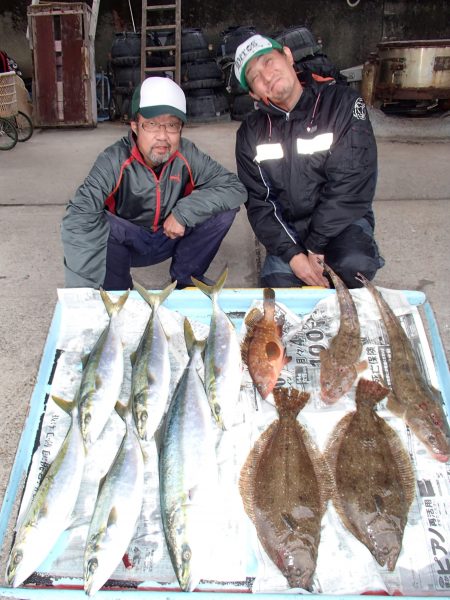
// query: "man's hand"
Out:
[308,269]
[172,228]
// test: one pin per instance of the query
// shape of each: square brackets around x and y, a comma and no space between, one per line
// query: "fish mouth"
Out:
[443,458]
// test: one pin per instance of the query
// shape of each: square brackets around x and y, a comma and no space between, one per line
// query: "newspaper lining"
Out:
[423,567]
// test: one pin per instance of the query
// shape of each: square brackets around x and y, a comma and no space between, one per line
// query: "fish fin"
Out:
[65,405]
[273,350]
[269,304]
[212,290]
[154,299]
[112,517]
[334,441]
[85,360]
[121,409]
[361,366]
[98,381]
[113,307]
[289,400]
[189,337]
[251,319]
[286,359]
[133,357]
[402,460]
[247,479]
[369,393]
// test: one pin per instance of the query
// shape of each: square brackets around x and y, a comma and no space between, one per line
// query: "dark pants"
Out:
[130,245]
[353,251]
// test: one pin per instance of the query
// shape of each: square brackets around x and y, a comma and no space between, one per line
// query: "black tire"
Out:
[113,111]
[201,92]
[201,69]
[126,61]
[321,65]
[201,83]
[241,107]
[126,44]
[127,76]
[24,126]
[232,85]
[232,37]
[207,106]
[299,40]
[8,134]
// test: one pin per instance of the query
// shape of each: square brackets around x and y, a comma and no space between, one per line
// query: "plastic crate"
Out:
[8,100]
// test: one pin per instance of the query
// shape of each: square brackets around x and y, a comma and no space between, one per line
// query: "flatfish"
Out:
[284,488]
[223,364]
[414,400]
[373,477]
[340,362]
[262,348]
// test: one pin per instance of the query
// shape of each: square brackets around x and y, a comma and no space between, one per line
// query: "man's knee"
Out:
[277,273]
[355,263]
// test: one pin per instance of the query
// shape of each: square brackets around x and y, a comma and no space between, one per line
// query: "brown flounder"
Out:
[339,363]
[262,348]
[412,398]
[284,485]
[374,482]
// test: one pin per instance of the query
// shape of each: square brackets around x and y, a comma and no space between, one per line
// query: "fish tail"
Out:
[337,281]
[212,290]
[189,337]
[65,405]
[113,307]
[289,400]
[154,299]
[369,392]
[269,303]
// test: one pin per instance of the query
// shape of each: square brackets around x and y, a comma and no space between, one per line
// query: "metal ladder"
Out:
[152,14]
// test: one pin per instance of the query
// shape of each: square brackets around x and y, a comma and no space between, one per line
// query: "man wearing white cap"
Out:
[151,196]
[308,159]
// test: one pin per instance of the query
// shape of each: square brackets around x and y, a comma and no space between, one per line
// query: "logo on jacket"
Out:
[359,109]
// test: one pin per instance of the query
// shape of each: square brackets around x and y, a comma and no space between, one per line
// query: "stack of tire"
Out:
[126,65]
[201,79]
[241,104]
[307,52]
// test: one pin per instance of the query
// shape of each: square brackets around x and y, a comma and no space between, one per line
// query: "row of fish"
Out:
[285,484]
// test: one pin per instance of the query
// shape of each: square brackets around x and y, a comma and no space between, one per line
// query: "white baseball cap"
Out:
[254,46]
[159,96]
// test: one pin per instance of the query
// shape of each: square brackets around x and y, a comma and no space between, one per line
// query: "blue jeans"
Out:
[131,245]
[353,250]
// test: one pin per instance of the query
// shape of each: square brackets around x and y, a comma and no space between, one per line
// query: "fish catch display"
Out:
[373,475]
[117,509]
[50,510]
[151,368]
[223,365]
[340,363]
[414,400]
[188,473]
[284,486]
[102,375]
[262,348]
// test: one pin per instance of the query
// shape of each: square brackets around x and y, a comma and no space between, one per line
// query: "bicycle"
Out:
[15,125]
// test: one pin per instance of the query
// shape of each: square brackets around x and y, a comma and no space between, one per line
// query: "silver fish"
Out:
[102,375]
[151,368]
[412,398]
[117,509]
[188,474]
[50,510]
[223,363]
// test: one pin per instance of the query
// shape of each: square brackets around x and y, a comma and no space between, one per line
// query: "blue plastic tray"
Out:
[194,304]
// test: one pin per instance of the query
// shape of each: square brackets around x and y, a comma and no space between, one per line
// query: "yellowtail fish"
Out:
[284,485]
[374,478]
[223,365]
[50,510]
[117,509]
[262,348]
[150,380]
[102,376]
[414,400]
[188,474]
[340,364]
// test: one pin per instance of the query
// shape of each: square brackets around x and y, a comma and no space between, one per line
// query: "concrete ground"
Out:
[38,177]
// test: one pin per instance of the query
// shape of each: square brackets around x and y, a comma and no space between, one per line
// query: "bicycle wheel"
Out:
[24,126]
[8,134]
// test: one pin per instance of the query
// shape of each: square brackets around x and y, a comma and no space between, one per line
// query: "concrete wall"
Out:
[348,34]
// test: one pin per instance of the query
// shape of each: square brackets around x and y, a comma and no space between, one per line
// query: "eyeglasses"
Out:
[153,127]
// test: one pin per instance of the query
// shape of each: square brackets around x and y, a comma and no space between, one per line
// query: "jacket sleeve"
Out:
[85,229]
[262,210]
[351,175]
[216,189]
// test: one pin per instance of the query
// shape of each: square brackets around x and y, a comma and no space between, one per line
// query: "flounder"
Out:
[374,482]
[284,486]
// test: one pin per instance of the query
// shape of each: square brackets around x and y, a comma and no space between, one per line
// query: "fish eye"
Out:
[186,553]
[217,409]
[87,419]
[144,416]
[92,565]
[17,557]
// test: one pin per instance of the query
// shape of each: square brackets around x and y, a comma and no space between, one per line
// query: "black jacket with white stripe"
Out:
[309,173]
